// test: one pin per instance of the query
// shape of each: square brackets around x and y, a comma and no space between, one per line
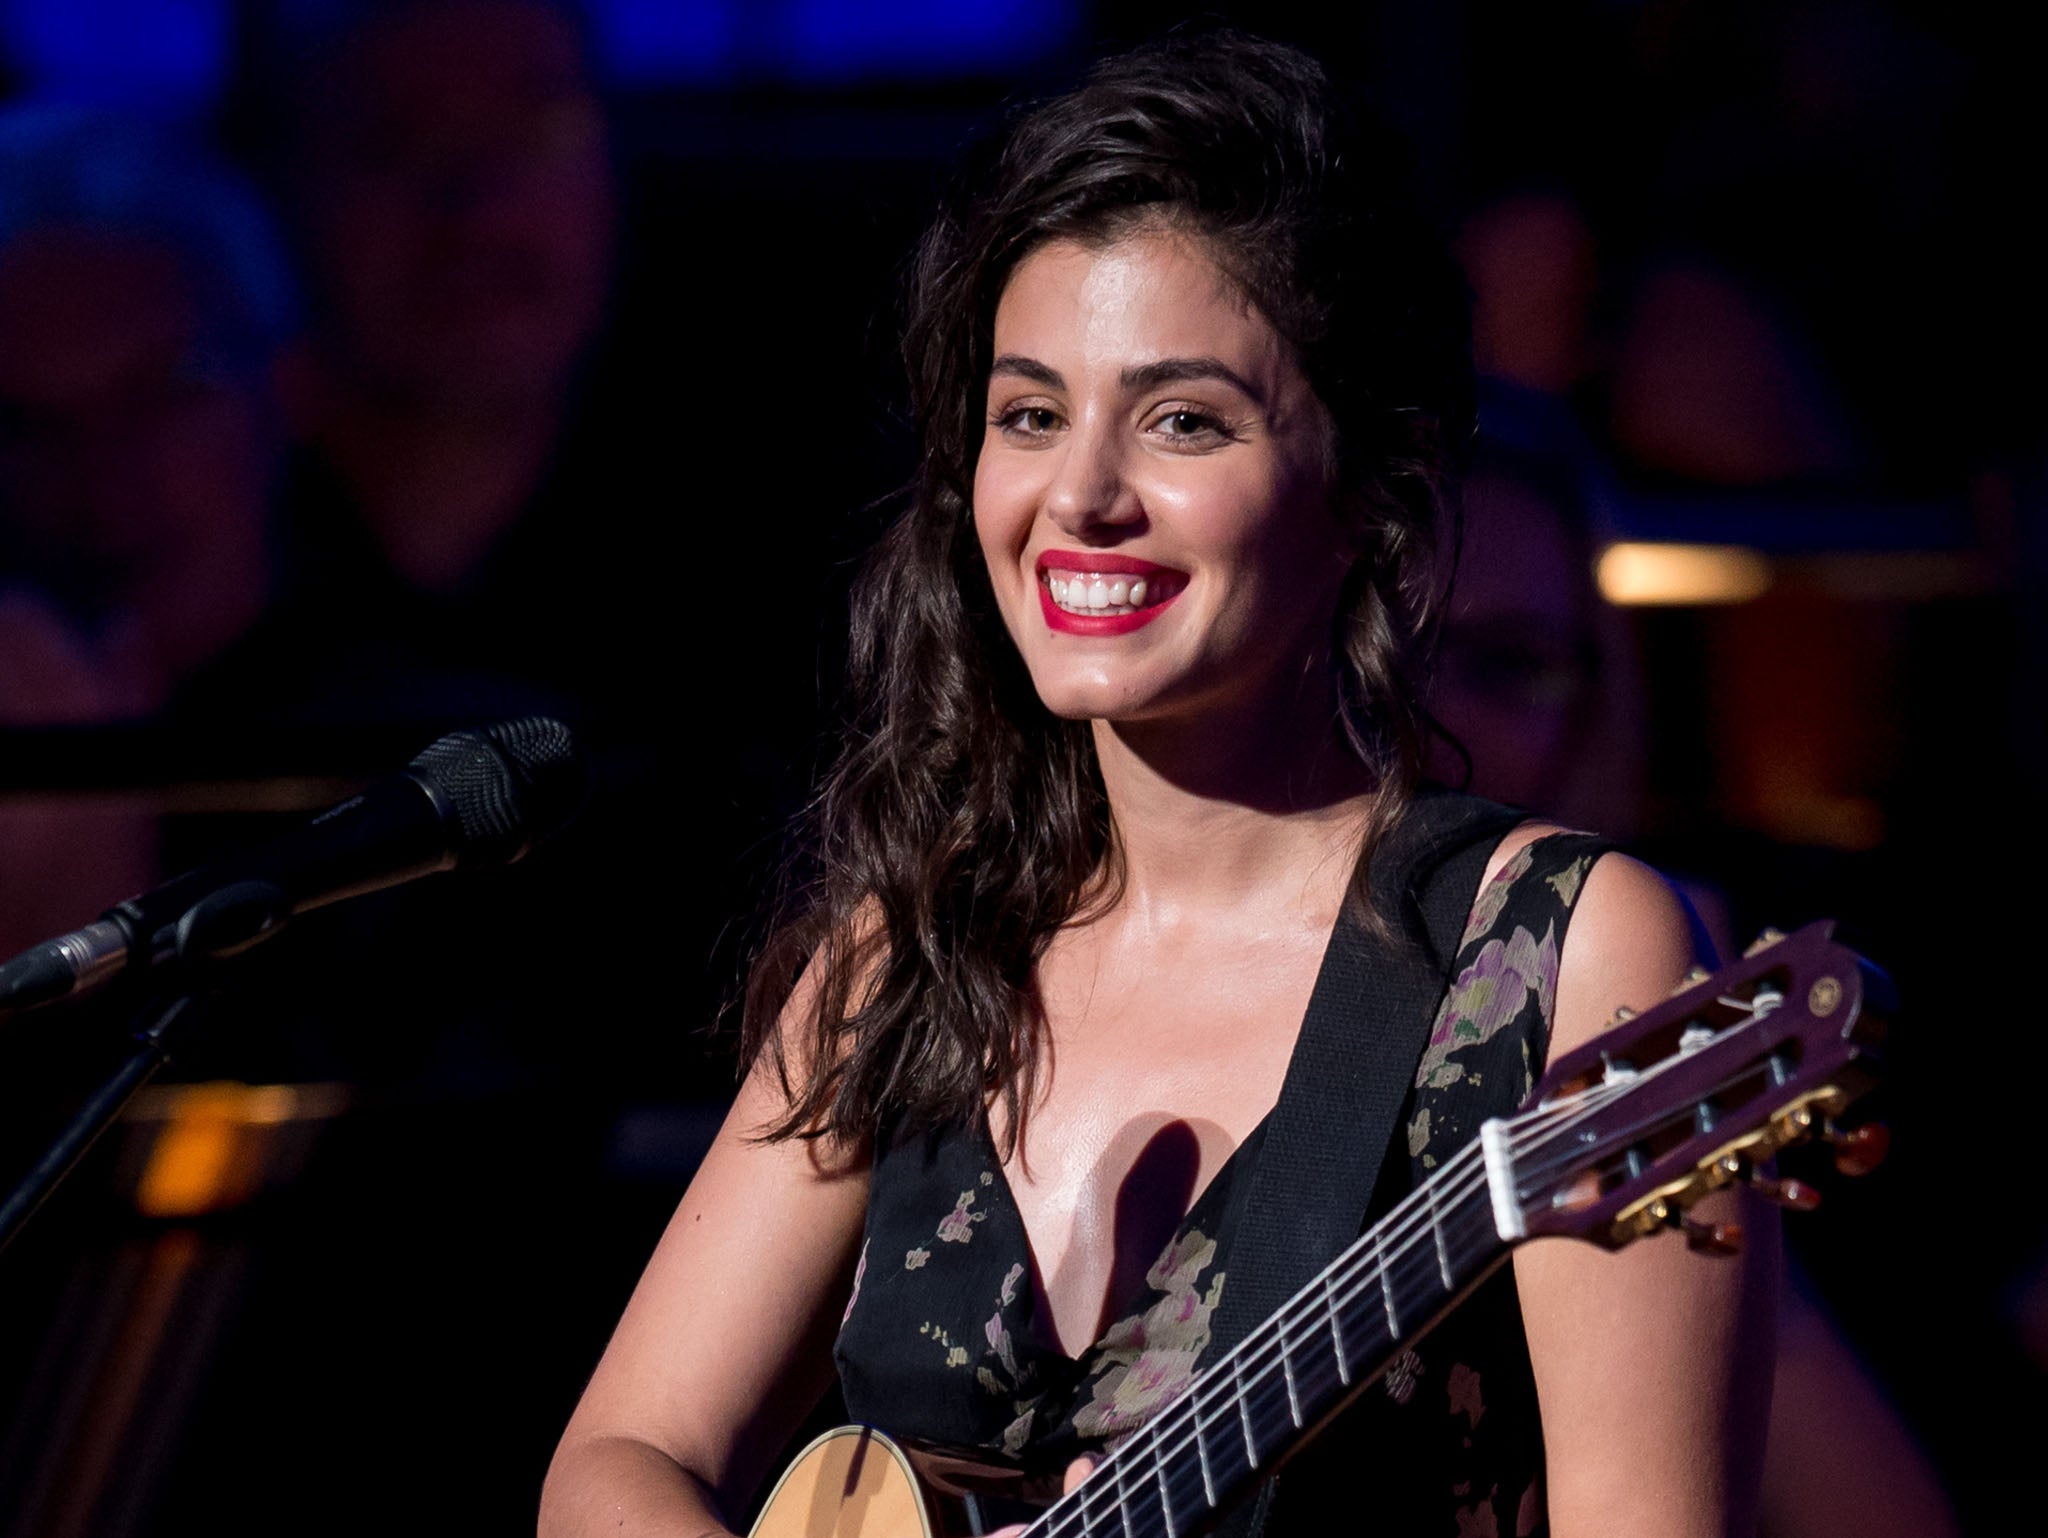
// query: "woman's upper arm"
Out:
[726,1343]
[1652,1363]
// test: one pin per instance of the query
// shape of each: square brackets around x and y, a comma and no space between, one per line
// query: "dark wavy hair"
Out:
[963,824]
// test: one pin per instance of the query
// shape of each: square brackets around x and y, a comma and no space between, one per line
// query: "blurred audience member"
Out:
[445,167]
[1691,372]
[1536,676]
[1840,1462]
[1538,684]
[1713,385]
[450,546]
[143,306]
[1531,257]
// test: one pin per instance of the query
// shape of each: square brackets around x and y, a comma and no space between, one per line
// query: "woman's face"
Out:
[1151,495]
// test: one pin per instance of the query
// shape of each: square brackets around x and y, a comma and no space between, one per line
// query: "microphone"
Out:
[471,799]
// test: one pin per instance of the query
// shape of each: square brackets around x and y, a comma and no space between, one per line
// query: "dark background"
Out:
[1756,275]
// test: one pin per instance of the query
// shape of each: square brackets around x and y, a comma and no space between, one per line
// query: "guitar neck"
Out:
[1278,1385]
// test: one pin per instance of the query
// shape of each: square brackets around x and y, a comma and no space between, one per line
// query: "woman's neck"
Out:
[1261,803]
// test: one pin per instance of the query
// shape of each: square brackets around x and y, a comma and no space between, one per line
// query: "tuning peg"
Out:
[1796,1194]
[1693,978]
[1764,941]
[1713,1238]
[1859,1150]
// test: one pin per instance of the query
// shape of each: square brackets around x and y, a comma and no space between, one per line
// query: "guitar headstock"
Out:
[1625,1133]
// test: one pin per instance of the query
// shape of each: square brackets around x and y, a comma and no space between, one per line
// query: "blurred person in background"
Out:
[1716,337]
[449,521]
[144,308]
[460,539]
[1536,677]
[472,475]
[450,545]
[1537,683]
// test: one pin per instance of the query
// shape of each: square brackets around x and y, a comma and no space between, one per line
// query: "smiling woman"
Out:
[1132,776]
[1156,462]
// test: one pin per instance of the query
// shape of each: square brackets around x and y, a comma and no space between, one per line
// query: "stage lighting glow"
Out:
[1641,573]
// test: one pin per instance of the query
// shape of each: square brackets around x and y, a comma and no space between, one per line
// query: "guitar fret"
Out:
[1086,1511]
[1202,1452]
[1165,1496]
[1287,1369]
[1436,1227]
[1244,1414]
[1123,1503]
[1379,1246]
[1336,1330]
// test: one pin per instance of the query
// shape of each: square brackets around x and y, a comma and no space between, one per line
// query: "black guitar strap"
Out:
[1368,1020]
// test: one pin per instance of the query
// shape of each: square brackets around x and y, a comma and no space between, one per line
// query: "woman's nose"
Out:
[1089,492]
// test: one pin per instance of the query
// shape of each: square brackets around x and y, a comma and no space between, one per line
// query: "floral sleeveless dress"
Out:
[940,1342]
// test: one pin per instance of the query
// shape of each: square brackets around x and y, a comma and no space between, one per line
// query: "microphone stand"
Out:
[156,1023]
[220,925]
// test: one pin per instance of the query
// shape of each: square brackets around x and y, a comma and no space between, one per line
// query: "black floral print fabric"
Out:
[940,1341]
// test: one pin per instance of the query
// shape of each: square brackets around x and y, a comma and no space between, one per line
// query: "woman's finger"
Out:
[1077,1471]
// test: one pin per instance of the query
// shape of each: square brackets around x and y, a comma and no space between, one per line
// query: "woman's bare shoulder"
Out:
[1520,837]
[1632,935]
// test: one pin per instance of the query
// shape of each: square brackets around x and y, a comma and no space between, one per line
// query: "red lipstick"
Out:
[1163,585]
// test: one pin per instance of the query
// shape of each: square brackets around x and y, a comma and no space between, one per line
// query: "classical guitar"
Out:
[1618,1141]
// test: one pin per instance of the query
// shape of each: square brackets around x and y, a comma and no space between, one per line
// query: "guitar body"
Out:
[852,1482]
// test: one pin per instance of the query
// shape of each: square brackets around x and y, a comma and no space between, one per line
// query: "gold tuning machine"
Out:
[1764,941]
[1713,1238]
[1694,976]
[1858,1150]
[1796,1194]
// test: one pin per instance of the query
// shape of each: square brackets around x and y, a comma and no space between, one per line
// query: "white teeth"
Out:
[1102,593]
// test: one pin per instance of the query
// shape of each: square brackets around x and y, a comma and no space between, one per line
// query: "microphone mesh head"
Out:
[505,787]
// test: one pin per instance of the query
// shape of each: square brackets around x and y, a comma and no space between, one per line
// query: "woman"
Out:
[1135,675]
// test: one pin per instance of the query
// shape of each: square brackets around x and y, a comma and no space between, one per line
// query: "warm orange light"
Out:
[1641,573]
[191,1169]
[213,1140]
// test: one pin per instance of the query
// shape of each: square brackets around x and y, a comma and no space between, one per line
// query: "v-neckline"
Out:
[1046,1338]
[1121,1310]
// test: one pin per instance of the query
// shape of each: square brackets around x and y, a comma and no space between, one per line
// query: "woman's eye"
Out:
[1031,421]
[1188,426]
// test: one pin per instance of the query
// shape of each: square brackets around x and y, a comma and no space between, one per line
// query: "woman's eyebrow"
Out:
[1026,368]
[1149,376]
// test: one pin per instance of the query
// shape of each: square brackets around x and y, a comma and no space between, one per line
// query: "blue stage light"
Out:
[152,55]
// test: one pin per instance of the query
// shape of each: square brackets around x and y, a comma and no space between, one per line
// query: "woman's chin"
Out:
[1119,704]
[1091,703]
